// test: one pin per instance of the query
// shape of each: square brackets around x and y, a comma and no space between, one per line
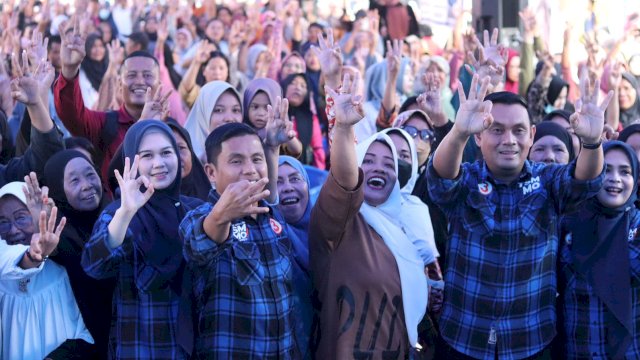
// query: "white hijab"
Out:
[198,123]
[392,228]
[414,211]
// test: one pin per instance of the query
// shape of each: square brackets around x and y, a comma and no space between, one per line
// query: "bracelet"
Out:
[592,146]
[34,260]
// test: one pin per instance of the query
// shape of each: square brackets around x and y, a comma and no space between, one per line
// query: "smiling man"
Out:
[500,274]
[105,130]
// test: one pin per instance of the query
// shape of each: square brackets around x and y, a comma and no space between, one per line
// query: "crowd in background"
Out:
[248,180]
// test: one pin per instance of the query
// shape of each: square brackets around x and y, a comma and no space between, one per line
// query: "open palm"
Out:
[474,115]
[131,198]
[348,107]
[588,120]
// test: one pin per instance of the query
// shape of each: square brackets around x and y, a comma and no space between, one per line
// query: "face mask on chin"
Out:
[404,172]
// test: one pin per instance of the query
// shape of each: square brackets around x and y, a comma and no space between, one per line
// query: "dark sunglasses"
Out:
[425,134]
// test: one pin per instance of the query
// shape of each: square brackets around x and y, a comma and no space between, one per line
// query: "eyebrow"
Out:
[151,150]
[88,167]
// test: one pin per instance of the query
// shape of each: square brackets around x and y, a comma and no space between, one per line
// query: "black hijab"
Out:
[601,255]
[628,131]
[81,221]
[155,226]
[546,128]
[302,117]
[633,113]
[94,70]
[196,184]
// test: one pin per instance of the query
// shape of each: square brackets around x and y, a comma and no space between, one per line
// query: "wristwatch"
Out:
[34,260]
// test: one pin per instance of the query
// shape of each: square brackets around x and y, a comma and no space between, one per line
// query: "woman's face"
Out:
[379,173]
[618,179]
[312,61]
[226,110]
[297,91]
[574,138]
[442,76]
[82,185]
[16,224]
[627,95]
[258,110]
[550,150]
[513,69]
[634,142]
[407,81]
[402,147]
[215,30]
[182,41]
[106,32]
[185,154]
[293,192]
[158,160]
[216,69]
[423,147]
[561,101]
[97,51]
[293,65]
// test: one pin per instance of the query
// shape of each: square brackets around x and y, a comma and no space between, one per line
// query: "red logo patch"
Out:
[275,226]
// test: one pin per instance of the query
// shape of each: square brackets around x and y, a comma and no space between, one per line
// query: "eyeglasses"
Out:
[425,134]
[21,221]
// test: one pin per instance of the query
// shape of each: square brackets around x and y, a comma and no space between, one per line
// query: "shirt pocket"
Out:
[285,252]
[247,267]
[535,215]
[479,214]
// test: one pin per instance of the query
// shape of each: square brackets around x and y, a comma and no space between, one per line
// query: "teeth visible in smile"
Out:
[290,201]
[611,189]
[377,182]
[139,91]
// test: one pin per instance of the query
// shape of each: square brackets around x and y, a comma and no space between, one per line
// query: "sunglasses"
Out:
[425,134]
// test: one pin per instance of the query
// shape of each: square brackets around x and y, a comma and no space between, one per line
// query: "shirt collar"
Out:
[486,176]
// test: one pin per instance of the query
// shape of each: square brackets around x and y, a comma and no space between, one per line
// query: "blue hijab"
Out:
[157,244]
[601,255]
[302,286]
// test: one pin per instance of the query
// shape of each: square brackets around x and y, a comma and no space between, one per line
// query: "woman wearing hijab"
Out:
[306,124]
[254,55]
[217,103]
[362,260]
[194,182]
[257,96]
[136,241]
[293,63]
[512,83]
[628,99]
[92,69]
[562,118]
[599,271]
[552,144]
[75,187]
[631,136]
[548,92]
[295,205]
[438,66]
[40,316]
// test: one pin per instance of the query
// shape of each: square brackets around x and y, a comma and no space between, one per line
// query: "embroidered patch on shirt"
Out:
[240,231]
[530,186]
[485,188]
[633,233]
[275,226]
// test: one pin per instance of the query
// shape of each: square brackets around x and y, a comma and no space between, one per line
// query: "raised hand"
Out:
[156,105]
[24,88]
[430,101]
[72,50]
[588,120]
[37,198]
[394,58]
[131,198]
[241,199]
[548,68]
[330,57]
[530,23]
[116,54]
[46,239]
[279,128]
[492,58]
[615,76]
[6,101]
[202,53]
[38,47]
[348,107]
[163,30]
[474,115]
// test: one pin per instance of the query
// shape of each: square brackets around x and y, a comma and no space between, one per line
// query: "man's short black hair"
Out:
[411,100]
[509,98]
[213,143]
[140,38]
[141,53]
[54,39]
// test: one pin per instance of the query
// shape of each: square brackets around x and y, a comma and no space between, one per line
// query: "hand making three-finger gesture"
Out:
[588,120]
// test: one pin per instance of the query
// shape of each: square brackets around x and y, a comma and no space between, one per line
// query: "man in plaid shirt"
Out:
[239,253]
[501,265]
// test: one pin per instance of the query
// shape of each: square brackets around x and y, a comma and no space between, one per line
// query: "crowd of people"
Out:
[189,180]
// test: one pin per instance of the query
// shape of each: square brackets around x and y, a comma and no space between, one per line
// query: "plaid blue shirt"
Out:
[242,291]
[585,316]
[500,279]
[145,308]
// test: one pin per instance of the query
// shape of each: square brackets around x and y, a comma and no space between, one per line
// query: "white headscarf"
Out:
[384,220]
[415,213]
[198,123]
